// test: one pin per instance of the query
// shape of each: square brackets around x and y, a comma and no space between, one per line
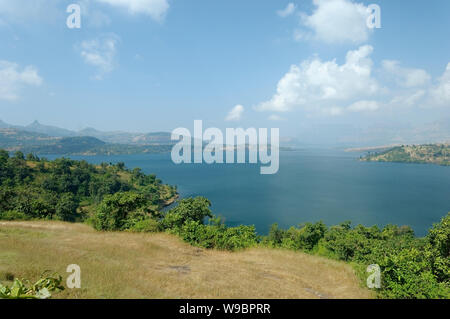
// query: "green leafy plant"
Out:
[41,289]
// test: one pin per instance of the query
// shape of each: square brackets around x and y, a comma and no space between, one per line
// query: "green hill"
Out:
[427,153]
[13,139]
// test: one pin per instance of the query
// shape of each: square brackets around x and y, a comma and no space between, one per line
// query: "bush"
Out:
[66,208]
[218,236]
[13,215]
[145,226]
[407,274]
[189,209]
[114,210]
[438,249]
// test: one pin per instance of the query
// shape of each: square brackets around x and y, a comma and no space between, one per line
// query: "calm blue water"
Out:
[311,185]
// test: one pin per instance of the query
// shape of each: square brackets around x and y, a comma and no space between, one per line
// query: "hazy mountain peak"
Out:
[48,129]
[34,123]
[3,124]
[89,129]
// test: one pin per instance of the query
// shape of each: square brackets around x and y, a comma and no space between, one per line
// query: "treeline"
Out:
[68,190]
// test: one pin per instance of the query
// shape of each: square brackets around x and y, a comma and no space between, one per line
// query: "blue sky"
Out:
[308,67]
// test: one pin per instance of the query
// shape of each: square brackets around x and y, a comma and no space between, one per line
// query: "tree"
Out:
[19,155]
[32,158]
[66,208]
[189,209]
[438,249]
[4,155]
[113,211]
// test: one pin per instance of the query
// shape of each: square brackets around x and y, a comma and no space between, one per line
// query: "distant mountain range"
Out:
[116,137]
[45,139]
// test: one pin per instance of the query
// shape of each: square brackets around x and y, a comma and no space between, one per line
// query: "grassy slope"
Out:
[127,265]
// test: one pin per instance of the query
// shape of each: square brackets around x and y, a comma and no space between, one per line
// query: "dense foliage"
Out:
[68,190]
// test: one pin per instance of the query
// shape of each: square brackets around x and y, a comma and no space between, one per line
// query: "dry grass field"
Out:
[128,265]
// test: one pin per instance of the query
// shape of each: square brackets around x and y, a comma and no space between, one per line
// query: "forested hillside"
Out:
[70,190]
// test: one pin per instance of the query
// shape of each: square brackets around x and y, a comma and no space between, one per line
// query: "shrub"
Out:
[145,226]
[218,236]
[66,208]
[113,211]
[13,215]
[189,209]
[438,249]
[407,274]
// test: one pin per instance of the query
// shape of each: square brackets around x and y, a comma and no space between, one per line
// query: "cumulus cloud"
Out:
[317,83]
[290,9]
[440,94]
[336,21]
[332,89]
[406,77]
[156,9]
[12,79]
[100,53]
[235,114]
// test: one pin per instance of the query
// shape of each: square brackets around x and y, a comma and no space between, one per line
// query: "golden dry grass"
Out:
[126,265]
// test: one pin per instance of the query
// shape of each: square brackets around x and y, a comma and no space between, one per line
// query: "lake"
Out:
[311,185]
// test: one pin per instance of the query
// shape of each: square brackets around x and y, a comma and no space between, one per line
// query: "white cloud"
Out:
[156,9]
[275,117]
[336,21]
[12,79]
[290,9]
[235,114]
[364,106]
[314,83]
[332,111]
[408,99]
[406,77]
[26,11]
[100,53]
[440,94]
[331,89]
